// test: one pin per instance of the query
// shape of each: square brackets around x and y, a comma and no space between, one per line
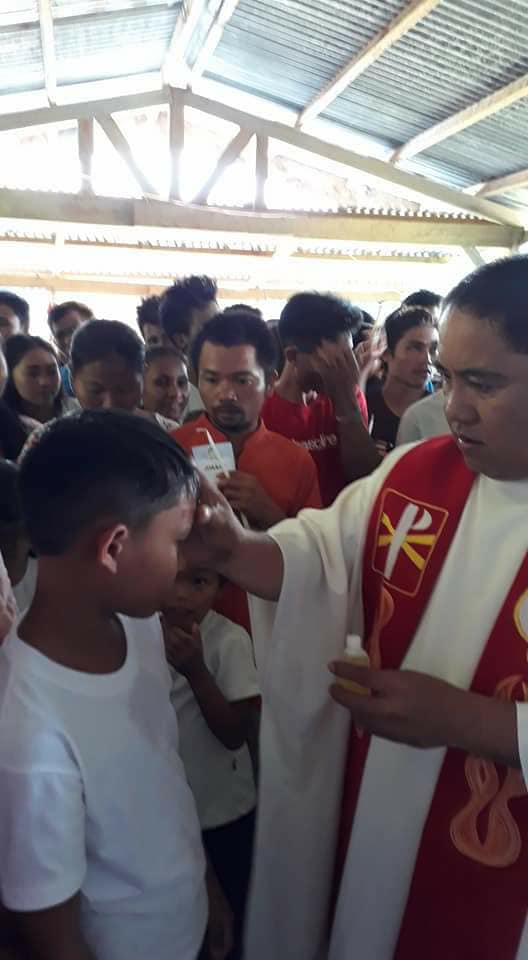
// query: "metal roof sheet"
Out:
[114,43]
[286,50]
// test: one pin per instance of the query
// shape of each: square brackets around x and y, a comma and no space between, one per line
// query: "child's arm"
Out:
[229,721]
[55,933]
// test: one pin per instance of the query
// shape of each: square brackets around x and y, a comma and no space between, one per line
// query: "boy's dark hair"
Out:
[148,312]
[498,293]
[423,298]
[403,319]
[15,350]
[99,466]
[244,308]
[163,353]
[100,339]
[236,330]
[59,311]
[18,305]
[178,302]
[309,318]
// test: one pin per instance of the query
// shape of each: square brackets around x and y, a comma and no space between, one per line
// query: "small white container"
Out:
[357,655]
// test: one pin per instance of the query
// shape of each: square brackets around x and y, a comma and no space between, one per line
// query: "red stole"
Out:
[468,896]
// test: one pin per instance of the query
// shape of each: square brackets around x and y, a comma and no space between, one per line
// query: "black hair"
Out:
[102,338]
[236,330]
[99,466]
[11,515]
[280,359]
[60,310]
[423,298]
[309,318]
[148,312]
[163,353]
[15,350]
[244,308]
[18,305]
[178,302]
[13,432]
[403,319]
[497,292]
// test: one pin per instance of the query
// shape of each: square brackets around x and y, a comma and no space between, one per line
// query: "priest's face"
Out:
[486,395]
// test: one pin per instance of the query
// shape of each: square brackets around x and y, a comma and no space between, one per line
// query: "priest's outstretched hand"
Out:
[422,711]
[218,541]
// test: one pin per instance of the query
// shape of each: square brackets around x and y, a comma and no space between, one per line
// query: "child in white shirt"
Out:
[100,848]
[216,698]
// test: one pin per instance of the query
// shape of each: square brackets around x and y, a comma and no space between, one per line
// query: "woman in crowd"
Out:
[167,387]
[33,390]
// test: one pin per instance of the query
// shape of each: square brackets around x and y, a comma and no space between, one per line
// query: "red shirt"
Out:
[314,426]
[286,473]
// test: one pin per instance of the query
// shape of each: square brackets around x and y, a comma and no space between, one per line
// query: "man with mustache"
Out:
[234,357]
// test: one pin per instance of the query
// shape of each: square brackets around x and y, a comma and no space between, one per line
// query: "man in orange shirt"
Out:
[234,356]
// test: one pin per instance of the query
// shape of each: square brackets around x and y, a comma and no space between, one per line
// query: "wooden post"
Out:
[122,146]
[85,143]
[261,171]
[176,141]
[230,154]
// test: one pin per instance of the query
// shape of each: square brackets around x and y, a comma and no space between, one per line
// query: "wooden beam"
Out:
[35,206]
[477,260]
[122,146]
[261,172]
[379,169]
[175,70]
[176,141]
[512,181]
[457,122]
[85,141]
[229,155]
[82,108]
[47,42]
[223,15]
[80,283]
[415,11]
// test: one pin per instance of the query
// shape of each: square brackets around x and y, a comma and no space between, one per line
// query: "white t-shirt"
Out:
[93,797]
[423,420]
[25,590]
[221,779]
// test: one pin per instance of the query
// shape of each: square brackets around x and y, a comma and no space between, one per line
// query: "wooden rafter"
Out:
[214,35]
[415,11]
[261,171]
[47,42]
[230,154]
[491,188]
[122,147]
[175,70]
[465,118]
[176,141]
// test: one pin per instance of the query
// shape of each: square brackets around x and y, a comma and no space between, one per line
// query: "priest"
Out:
[397,828]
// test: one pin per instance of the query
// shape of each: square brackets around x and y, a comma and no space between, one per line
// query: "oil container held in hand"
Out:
[356,655]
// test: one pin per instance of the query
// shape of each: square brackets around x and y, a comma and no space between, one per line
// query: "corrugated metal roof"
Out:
[113,44]
[286,50]
[461,52]
[21,59]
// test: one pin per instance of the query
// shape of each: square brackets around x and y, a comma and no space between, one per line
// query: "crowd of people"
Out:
[218,741]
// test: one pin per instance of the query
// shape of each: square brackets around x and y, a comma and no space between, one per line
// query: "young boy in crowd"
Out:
[100,847]
[216,698]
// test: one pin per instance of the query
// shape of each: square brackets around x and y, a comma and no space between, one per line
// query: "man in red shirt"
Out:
[234,356]
[316,332]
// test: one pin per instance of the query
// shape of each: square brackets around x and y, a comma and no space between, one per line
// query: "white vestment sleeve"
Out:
[304,733]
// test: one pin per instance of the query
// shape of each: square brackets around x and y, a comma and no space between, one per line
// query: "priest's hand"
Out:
[216,531]
[423,711]
[246,495]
